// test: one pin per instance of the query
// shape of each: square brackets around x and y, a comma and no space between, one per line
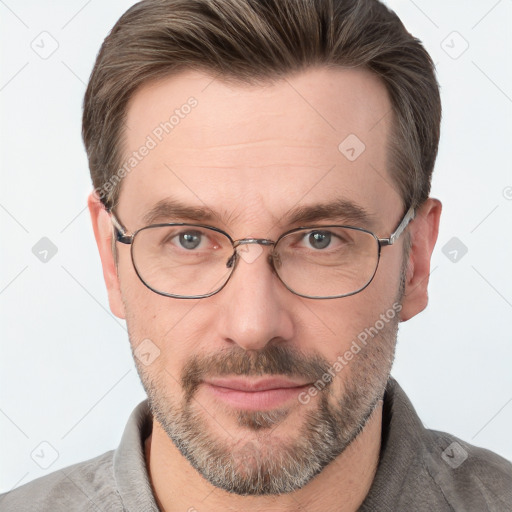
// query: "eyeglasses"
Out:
[193,261]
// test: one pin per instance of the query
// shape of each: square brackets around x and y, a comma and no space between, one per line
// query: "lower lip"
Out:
[256,400]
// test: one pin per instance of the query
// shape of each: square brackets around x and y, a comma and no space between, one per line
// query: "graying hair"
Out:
[256,41]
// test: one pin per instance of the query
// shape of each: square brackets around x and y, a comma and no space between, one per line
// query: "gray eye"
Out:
[190,239]
[319,239]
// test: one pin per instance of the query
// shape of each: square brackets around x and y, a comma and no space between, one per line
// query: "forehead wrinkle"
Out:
[271,141]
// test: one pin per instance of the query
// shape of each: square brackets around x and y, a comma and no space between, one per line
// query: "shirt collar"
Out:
[130,470]
[402,443]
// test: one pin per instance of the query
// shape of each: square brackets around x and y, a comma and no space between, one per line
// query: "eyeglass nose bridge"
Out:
[260,241]
[273,257]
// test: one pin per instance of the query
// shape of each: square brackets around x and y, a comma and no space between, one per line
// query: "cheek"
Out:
[166,328]
[333,325]
[156,342]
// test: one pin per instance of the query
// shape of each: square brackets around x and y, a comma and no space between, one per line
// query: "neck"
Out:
[341,486]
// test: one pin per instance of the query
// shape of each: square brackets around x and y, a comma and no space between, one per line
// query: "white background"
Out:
[66,372]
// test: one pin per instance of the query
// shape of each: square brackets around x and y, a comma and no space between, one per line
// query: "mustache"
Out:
[271,360]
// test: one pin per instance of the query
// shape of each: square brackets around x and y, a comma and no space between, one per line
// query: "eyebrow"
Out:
[173,209]
[340,210]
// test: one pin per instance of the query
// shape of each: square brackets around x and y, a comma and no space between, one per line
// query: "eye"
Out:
[319,239]
[323,240]
[190,239]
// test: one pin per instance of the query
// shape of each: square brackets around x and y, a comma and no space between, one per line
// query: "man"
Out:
[262,212]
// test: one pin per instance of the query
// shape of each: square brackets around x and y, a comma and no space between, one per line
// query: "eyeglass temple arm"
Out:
[120,231]
[400,228]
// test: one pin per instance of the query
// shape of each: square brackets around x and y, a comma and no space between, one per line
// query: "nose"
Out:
[256,306]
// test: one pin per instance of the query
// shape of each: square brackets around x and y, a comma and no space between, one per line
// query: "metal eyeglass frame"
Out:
[122,236]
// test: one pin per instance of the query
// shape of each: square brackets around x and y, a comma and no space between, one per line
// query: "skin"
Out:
[251,153]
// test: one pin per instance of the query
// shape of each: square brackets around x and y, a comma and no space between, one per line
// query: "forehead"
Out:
[255,151]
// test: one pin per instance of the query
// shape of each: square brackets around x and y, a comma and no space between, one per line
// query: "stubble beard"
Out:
[262,461]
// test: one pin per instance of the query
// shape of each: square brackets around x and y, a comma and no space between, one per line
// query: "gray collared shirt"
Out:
[419,470]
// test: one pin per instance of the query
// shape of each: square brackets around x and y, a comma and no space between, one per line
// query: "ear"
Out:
[103,232]
[423,232]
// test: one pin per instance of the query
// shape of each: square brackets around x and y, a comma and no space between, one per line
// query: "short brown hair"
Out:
[253,41]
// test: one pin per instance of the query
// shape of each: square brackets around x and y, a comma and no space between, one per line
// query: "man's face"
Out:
[252,154]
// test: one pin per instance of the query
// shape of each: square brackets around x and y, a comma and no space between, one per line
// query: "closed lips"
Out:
[251,385]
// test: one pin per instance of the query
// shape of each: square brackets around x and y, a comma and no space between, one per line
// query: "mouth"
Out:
[255,394]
